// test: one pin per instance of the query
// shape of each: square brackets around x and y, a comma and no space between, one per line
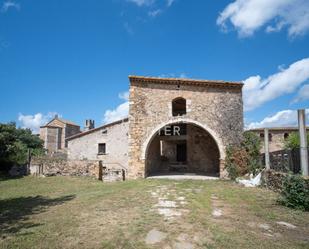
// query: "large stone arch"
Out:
[154,131]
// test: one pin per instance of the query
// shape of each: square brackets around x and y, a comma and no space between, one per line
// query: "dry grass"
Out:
[68,212]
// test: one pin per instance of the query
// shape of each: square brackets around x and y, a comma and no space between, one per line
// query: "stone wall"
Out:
[54,134]
[84,146]
[218,108]
[51,166]
[57,166]
[278,137]
[203,154]
[273,180]
[52,138]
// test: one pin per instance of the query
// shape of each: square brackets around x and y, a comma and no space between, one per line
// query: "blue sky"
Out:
[73,57]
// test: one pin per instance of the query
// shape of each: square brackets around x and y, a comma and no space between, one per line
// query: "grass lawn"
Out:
[71,212]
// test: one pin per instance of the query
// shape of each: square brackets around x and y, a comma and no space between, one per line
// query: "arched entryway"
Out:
[182,147]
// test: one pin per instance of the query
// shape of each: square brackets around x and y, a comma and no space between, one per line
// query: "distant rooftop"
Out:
[61,120]
[213,83]
[98,128]
[294,128]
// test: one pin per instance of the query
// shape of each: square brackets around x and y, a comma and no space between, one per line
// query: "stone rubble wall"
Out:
[57,166]
[274,180]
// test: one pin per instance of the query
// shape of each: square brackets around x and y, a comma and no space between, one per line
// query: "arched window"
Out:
[262,136]
[286,135]
[270,137]
[179,107]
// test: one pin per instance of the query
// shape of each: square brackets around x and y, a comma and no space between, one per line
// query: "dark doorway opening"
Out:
[190,150]
[181,152]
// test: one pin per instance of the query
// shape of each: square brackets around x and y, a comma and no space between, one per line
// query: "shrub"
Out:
[244,158]
[293,141]
[252,144]
[295,192]
[236,162]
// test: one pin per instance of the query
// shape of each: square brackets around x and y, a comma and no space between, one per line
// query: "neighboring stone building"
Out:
[107,143]
[55,132]
[276,136]
[182,125]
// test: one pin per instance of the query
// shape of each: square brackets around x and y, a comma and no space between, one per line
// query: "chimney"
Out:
[56,116]
[89,124]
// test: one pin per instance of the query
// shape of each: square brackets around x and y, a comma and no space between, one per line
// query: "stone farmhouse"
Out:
[276,137]
[174,125]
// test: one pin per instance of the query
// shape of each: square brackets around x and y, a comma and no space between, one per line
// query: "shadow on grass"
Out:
[15,213]
[6,177]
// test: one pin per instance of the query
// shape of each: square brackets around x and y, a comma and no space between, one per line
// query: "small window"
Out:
[179,107]
[262,136]
[286,136]
[104,131]
[102,149]
[270,137]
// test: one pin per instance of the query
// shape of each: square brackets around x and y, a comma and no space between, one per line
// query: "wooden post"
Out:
[28,161]
[266,148]
[100,173]
[303,142]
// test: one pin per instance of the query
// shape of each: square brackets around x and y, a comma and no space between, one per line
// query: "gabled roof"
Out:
[62,121]
[176,81]
[97,129]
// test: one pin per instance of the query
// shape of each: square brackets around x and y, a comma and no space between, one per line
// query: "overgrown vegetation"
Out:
[293,141]
[244,158]
[295,192]
[14,145]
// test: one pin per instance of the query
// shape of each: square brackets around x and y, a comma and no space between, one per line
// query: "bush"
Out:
[244,158]
[293,141]
[236,162]
[295,193]
[252,144]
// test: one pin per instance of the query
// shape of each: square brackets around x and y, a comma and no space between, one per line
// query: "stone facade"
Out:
[55,132]
[277,136]
[85,146]
[215,107]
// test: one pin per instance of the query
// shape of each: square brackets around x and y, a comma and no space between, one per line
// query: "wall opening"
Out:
[191,150]
[179,107]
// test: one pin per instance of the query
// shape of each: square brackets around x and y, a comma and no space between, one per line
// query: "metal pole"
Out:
[303,142]
[266,148]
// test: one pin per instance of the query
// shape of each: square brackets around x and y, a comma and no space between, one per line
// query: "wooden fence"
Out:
[284,160]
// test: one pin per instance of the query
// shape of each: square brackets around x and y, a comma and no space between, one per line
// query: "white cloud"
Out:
[9,4]
[247,16]
[142,2]
[128,28]
[303,94]
[33,122]
[154,13]
[121,111]
[170,2]
[124,95]
[172,75]
[283,118]
[258,91]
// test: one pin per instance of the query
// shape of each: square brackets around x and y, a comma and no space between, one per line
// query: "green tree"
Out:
[15,143]
[293,141]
